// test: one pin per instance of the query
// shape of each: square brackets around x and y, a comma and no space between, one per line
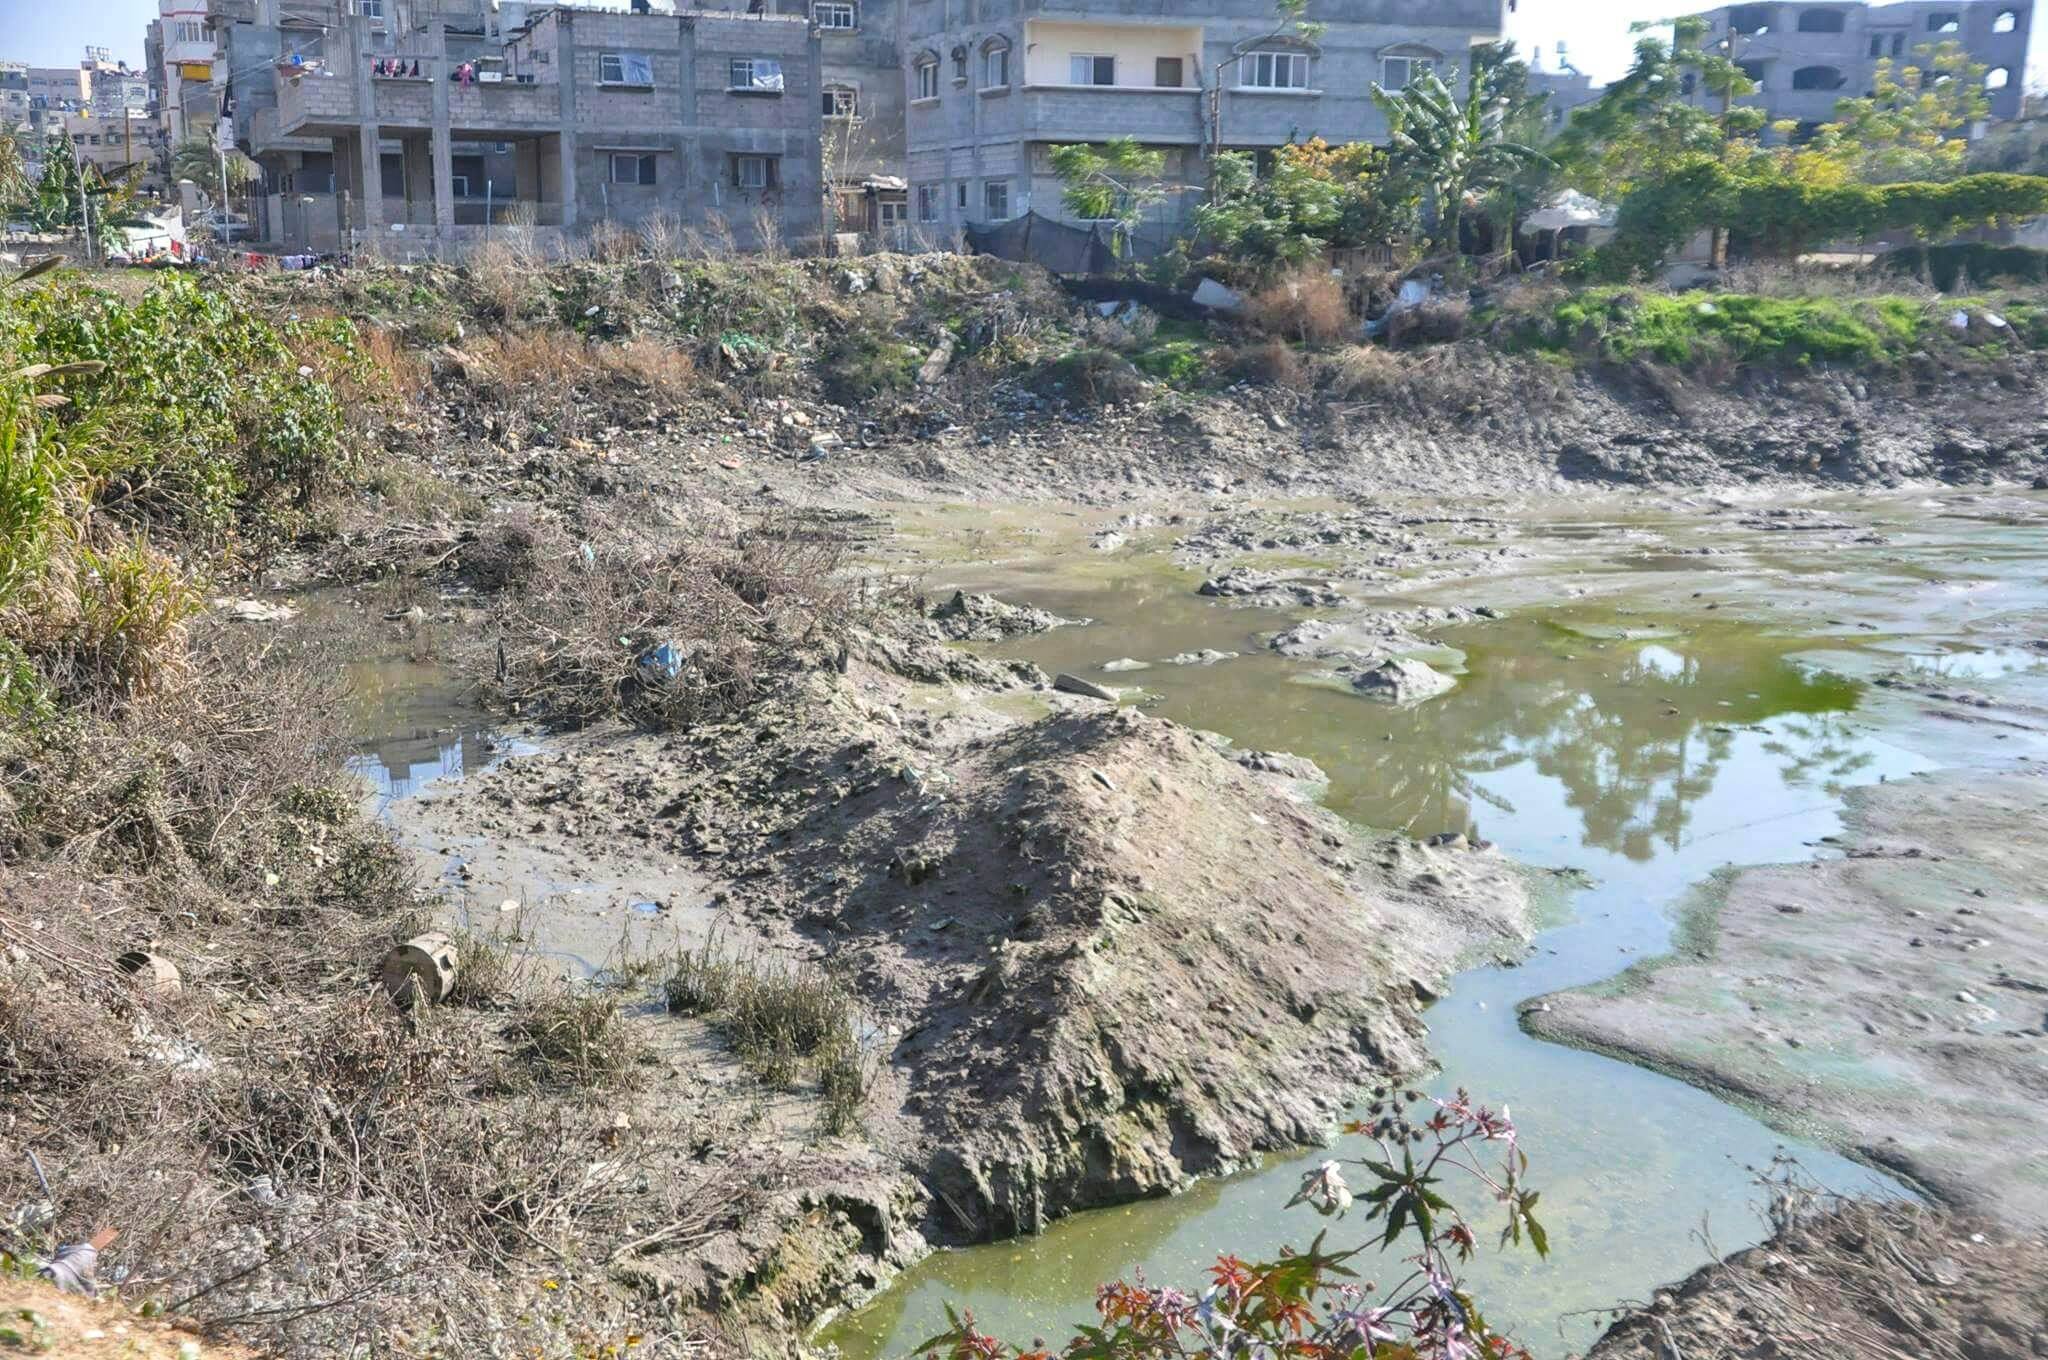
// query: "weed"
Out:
[1272,363]
[576,1036]
[1306,305]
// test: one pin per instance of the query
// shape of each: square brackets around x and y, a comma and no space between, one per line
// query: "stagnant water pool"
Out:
[1613,726]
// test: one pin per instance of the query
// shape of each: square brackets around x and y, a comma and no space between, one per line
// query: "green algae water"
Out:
[1619,728]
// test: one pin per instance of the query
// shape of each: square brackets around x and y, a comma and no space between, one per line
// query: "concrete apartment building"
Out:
[710,117]
[113,142]
[1804,57]
[995,84]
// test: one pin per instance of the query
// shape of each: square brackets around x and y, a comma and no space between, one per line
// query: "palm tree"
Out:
[1453,148]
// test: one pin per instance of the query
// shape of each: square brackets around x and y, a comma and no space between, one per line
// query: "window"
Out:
[1169,73]
[754,172]
[1400,72]
[1820,21]
[1754,70]
[1943,23]
[625,68]
[1817,78]
[894,214]
[927,202]
[995,198]
[1898,44]
[960,195]
[1086,70]
[1997,78]
[842,101]
[2007,21]
[995,65]
[928,79]
[370,9]
[188,31]
[959,64]
[834,16]
[632,168]
[1273,71]
[458,185]
[1750,20]
[1877,44]
[756,75]
[1687,83]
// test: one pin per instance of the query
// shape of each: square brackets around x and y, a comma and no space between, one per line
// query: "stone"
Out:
[1125,663]
[1088,689]
[1402,680]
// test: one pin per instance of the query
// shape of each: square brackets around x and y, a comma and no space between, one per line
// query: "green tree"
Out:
[14,185]
[1645,124]
[1116,183]
[1452,147]
[1910,127]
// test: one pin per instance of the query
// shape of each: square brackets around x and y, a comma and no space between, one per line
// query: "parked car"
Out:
[222,226]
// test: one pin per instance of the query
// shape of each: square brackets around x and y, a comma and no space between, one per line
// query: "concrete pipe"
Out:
[155,974]
[421,969]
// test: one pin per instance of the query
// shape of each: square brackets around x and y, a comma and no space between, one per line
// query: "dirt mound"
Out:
[38,1320]
[1874,1281]
[1180,965]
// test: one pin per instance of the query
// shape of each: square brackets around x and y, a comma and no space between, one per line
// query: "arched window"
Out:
[1820,21]
[960,63]
[1997,78]
[1750,20]
[925,70]
[1817,78]
[995,64]
[842,101]
[2007,21]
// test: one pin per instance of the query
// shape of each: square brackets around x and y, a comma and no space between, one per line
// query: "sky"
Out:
[56,32]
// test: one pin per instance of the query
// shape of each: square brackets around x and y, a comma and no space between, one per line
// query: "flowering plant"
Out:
[1312,1305]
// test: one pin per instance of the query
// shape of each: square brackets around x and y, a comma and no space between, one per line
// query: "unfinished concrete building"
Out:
[437,122]
[994,86]
[1805,57]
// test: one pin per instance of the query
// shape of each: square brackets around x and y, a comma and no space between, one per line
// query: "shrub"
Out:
[1092,377]
[1958,265]
[1689,328]
[1306,305]
[1272,363]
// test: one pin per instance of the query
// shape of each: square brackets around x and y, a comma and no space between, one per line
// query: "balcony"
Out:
[504,106]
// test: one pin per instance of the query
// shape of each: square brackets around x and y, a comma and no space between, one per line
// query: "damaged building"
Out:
[424,125]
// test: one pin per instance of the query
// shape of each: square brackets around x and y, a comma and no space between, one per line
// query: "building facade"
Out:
[1805,57]
[711,119]
[119,142]
[994,85]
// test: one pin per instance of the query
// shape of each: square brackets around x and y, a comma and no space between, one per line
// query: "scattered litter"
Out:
[1959,320]
[423,968]
[255,611]
[1213,295]
[155,974]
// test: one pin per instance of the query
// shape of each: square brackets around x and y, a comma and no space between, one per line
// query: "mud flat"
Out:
[1893,1001]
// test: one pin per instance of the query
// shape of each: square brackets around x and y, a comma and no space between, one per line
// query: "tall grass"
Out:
[784,1020]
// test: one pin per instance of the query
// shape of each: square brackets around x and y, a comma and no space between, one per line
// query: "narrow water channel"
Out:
[1639,756]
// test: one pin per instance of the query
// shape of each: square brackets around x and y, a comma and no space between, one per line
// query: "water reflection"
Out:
[1648,764]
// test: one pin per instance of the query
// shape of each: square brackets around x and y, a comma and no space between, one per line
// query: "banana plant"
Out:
[1452,147]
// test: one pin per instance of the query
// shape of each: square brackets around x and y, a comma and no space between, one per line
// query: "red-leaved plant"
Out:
[1311,1305]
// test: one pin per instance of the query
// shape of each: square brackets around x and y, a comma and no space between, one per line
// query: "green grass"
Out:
[1687,329]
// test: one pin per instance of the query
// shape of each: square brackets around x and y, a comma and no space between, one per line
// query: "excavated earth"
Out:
[1101,953]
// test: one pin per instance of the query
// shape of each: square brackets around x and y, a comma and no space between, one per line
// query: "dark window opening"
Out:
[1169,73]
[1944,23]
[1817,78]
[1750,20]
[1754,70]
[1820,21]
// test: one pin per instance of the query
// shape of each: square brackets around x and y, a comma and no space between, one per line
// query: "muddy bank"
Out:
[1892,1001]
[1101,952]
[1878,1280]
